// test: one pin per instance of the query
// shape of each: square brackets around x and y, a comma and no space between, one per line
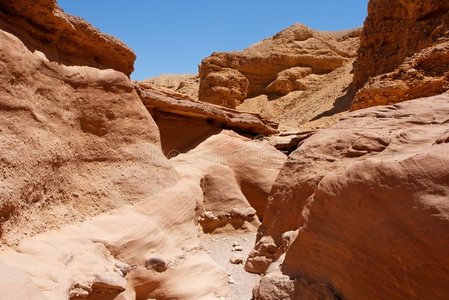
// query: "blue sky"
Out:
[172,36]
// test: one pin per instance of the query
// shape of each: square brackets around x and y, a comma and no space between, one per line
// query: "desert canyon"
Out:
[311,165]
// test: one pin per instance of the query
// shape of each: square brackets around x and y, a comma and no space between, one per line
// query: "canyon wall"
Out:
[65,133]
[90,208]
[41,25]
[360,210]
[404,52]
[279,65]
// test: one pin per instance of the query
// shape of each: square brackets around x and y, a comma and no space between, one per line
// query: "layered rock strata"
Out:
[278,65]
[404,52]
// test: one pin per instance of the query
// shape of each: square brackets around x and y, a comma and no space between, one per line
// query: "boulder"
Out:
[361,208]
[235,175]
[226,87]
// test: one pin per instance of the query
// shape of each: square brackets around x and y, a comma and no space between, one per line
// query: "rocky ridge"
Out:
[41,25]
[294,77]
[184,122]
[278,65]
[186,84]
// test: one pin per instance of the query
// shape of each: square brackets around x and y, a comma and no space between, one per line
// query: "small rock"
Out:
[156,263]
[236,260]
[235,244]
[249,212]
[79,290]
[208,215]
[231,280]
[238,248]
[122,268]
[244,239]
[78,293]
[107,284]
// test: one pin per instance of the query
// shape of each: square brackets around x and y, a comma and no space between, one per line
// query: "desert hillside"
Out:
[311,165]
[294,78]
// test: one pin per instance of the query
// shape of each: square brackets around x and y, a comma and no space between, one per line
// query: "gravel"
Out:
[221,248]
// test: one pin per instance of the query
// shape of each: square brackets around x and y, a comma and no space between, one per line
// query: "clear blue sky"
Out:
[172,36]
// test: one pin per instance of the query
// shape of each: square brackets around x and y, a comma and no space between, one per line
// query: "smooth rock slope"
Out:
[360,210]
[66,131]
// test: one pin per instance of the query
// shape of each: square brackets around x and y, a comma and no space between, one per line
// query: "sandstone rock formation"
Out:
[187,84]
[293,77]
[107,257]
[90,208]
[275,65]
[184,122]
[360,210]
[87,198]
[41,25]
[235,176]
[404,52]
[65,133]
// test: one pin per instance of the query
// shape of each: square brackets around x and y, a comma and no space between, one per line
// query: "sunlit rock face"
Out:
[278,65]
[41,25]
[361,209]
[404,52]
[88,201]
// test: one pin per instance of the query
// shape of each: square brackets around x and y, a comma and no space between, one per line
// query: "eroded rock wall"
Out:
[65,133]
[278,65]
[361,209]
[90,208]
[41,25]
[404,52]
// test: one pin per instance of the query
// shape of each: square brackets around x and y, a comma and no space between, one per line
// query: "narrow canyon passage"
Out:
[330,148]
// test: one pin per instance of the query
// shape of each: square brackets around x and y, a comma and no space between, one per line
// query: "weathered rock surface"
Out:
[184,122]
[65,133]
[187,84]
[278,65]
[280,287]
[41,25]
[87,197]
[404,52]
[151,249]
[287,142]
[235,175]
[361,208]
[112,255]
[18,285]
